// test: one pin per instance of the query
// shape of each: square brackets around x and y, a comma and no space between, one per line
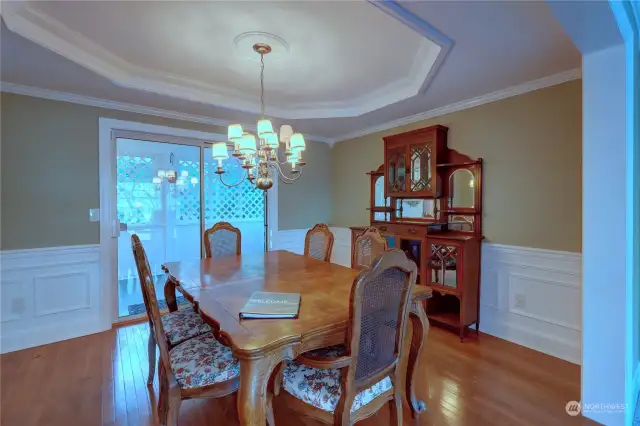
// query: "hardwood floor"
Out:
[100,380]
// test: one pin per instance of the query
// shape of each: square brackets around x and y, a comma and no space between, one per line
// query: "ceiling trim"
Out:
[428,31]
[36,92]
[26,19]
[509,92]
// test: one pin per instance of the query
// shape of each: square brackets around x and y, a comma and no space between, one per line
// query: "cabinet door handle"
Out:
[383,228]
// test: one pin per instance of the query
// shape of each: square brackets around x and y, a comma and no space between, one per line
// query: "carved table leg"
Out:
[252,393]
[170,295]
[420,329]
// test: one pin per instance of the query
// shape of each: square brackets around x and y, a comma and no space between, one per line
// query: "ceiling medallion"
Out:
[259,154]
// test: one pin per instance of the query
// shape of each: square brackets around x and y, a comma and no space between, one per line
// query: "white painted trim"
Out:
[520,89]
[13,260]
[107,179]
[36,92]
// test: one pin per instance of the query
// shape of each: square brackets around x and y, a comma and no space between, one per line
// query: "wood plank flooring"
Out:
[100,380]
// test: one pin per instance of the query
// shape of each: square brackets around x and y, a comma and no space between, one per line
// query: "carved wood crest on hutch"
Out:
[426,200]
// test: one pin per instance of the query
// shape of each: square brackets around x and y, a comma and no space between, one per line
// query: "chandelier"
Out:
[258,154]
[171,175]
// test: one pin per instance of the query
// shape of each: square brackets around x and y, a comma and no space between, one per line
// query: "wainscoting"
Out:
[531,297]
[528,296]
[48,295]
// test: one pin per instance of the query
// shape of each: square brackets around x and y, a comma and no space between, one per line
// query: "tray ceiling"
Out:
[488,50]
[330,59]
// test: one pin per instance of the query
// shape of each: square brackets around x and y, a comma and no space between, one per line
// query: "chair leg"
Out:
[151,349]
[395,406]
[173,410]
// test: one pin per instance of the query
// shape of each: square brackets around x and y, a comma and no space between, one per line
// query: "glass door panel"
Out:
[421,172]
[243,205]
[443,265]
[158,198]
[396,170]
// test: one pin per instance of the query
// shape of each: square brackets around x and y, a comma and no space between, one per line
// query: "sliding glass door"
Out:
[166,198]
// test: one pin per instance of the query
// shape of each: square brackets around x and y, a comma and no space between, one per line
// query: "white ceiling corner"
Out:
[411,73]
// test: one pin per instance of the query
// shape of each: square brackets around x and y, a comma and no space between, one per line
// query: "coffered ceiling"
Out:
[337,67]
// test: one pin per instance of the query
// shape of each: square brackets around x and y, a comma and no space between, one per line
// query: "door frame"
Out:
[109,129]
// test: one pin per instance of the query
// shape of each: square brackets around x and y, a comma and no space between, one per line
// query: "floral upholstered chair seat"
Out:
[203,361]
[321,388]
[182,325]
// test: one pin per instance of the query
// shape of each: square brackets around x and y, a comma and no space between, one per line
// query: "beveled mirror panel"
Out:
[462,189]
[464,223]
[380,200]
[417,209]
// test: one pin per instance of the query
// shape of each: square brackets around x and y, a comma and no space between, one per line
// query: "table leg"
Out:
[253,402]
[170,295]
[420,327]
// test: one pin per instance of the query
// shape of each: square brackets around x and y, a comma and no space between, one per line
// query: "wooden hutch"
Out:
[426,199]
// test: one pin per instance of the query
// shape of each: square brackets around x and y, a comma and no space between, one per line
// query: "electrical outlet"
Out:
[520,300]
[17,305]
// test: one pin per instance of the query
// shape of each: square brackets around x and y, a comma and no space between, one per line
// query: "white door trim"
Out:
[107,179]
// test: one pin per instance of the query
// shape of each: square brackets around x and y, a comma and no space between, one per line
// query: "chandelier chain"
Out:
[262,85]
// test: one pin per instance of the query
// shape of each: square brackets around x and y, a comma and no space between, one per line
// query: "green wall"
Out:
[49,173]
[532,150]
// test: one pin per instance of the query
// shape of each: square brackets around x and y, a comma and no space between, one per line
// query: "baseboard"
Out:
[548,281]
[48,295]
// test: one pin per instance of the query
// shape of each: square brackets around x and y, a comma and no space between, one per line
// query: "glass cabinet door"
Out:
[443,265]
[421,168]
[396,170]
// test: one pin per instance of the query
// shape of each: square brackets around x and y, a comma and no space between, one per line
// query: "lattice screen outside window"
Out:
[137,196]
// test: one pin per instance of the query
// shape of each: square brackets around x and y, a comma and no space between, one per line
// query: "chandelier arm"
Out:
[244,176]
[284,178]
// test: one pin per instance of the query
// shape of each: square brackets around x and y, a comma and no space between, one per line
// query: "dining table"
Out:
[220,288]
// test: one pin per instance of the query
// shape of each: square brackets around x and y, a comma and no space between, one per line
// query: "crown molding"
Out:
[509,92]
[26,19]
[36,92]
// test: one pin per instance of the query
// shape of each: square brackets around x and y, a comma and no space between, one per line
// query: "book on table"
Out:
[262,305]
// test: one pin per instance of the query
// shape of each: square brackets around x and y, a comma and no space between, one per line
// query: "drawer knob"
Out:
[412,231]
[383,228]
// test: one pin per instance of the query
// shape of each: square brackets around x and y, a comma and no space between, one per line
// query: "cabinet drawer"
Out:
[404,230]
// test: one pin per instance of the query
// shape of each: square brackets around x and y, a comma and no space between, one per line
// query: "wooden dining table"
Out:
[220,288]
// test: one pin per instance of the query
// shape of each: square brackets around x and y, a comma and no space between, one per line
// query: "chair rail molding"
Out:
[48,295]
[528,296]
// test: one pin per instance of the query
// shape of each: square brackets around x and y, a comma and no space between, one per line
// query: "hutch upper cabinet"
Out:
[410,162]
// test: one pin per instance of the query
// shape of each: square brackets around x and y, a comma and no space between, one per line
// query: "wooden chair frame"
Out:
[378,246]
[323,229]
[219,227]
[350,387]
[171,394]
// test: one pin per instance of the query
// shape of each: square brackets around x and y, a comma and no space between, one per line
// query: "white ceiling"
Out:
[343,66]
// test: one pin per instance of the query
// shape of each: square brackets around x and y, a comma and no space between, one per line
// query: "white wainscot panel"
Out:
[49,295]
[64,292]
[533,297]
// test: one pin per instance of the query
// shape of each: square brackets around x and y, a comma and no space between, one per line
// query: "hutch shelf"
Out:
[426,200]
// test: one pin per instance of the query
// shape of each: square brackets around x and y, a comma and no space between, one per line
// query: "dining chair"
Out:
[318,242]
[222,239]
[200,367]
[367,247]
[177,326]
[344,384]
